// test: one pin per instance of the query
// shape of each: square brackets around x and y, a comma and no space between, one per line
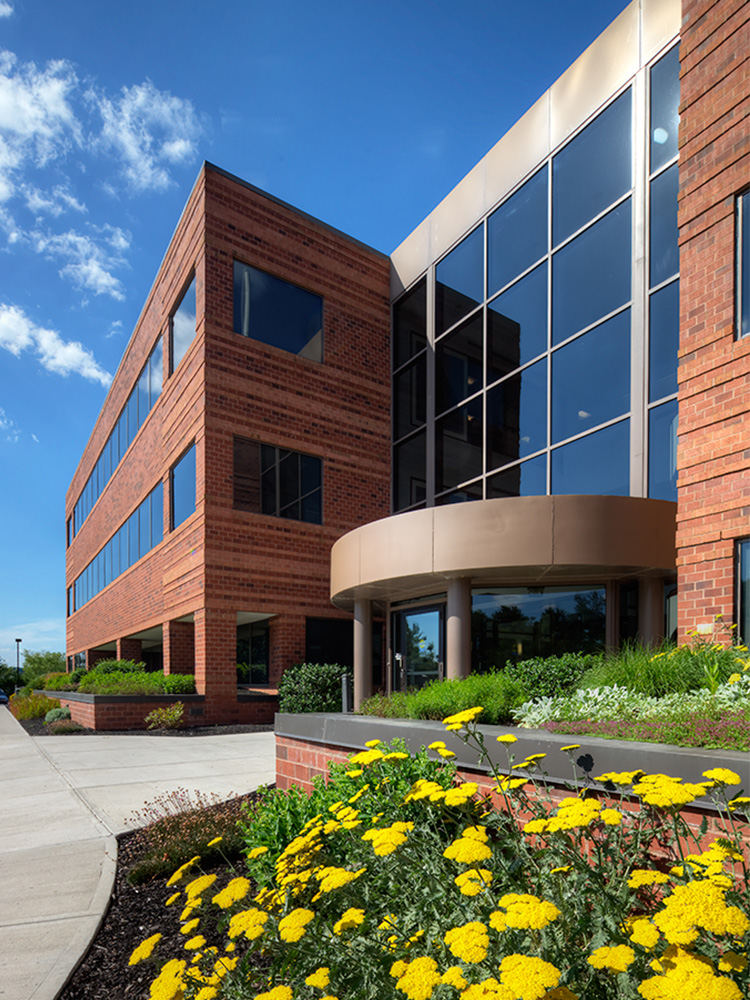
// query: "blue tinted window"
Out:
[517,416]
[458,364]
[591,378]
[409,393]
[410,324]
[593,170]
[662,451]
[133,539]
[459,281]
[277,312]
[665,104]
[528,479]
[517,324]
[183,488]
[471,492]
[743,559]
[517,232]
[458,446]
[183,325]
[665,254]
[664,338]
[410,472]
[591,275]
[743,265]
[598,463]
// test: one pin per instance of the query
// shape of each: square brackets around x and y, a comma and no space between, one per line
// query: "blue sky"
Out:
[364,114]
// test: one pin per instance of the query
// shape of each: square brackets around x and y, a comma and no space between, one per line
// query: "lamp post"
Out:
[18,662]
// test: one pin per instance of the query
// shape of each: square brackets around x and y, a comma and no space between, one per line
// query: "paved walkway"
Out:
[62,800]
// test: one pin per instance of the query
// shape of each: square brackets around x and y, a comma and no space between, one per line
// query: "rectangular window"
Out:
[277,313]
[743,264]
[276,481]
[743,589]
[182,325]
[182,480]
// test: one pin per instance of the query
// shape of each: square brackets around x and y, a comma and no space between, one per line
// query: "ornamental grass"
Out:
[436,893]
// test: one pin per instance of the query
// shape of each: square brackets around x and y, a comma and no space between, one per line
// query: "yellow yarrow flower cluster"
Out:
[248,923]
[440,748]
[616,958]
[366,757]
[170,982]
[572,814]
[386,840]
[643,933]
[468,942]
[233,892]
[350,919]
[293,926]
[424,789]
[417,979]
[461,719]
[473,881]
[277,993]
[470,848]
[523,912]
[722,776]
[196,888]
[665,792]
[320,978]
[699,905]
[330,878]
[641,877]
[176,876]
[144,950]
[684,975]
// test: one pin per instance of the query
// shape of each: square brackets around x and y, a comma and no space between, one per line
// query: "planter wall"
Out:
[104,712]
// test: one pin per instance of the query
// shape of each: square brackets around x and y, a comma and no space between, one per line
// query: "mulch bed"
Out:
[135,913]
[36,727]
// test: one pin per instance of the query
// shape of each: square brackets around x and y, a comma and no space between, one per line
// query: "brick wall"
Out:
[714,407]
[106,713]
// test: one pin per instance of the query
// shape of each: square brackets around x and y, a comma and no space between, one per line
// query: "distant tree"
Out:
[43,662]
[7,677]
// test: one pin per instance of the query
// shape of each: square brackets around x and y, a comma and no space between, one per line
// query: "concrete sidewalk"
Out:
[62,800]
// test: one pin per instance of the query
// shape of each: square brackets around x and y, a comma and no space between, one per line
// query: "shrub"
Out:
[551,675]
[77,674]
[7,679]
[179,825]
[35,664]
[55,714]
[312,687]
[169,717]
[34,706]
[113,666]
[499,693]
[136,683]
[65,726]
[55,682]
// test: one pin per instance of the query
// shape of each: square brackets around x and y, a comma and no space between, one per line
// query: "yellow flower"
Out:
[467,851]
[722,776]
[277,993]
[730,961]
[644,933]
[740,800]
[350,919]
[529,976]
[292,927]
[250,923]
[473,881]
[233,892]
[563,868]
[214,842]
[195,888]
[524,912]
[620,777]
[611,817]
[643,876]
[733,678]
[616,958]
[684,975]
[461,794]
[460,719]
[195,942]
[468,942]
[173,898]
[331,878]
[320,978]
[416,979]
[699,905]
[454,976]
[373,743]
[256,852]
[507,738]
[507,783]
[447,754]
[366,757]
[176,876]
[355,773]
[144,949]
[571,746]
[189,926]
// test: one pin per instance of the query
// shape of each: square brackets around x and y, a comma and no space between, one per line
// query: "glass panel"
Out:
[133,554]
[517,416]
[267,456]
[662,451]
[292,511]
[517,232]
[183,488]
[591,275]
[529,479]
[664,338]
[459,281]
[115,550]
[665,253]
[420,643]
[410,324]
[472,492]
[591,378]
[508,625]
[277,313]
[122,534]
[598,463]
[183,325]
[458,364]
[743,617]
[743,269]
[157,515]
[155,369]
[311,508]
[144,527]
[593,170]
[409,472]
[409,395]
[143,395]
[132,416]
[517,324]
[665,105]
[288,477]
[268,491]
[458,446]
[310,469]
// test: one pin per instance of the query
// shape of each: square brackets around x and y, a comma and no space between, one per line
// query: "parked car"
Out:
[3,698]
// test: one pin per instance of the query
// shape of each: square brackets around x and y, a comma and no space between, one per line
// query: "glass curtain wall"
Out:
[512,357]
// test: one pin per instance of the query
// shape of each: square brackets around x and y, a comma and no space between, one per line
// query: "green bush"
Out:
[33,706]
[56,714]
[312,687]
[497,692]
[136,683]
[668,670]
[35,664]
[76,675]
[552,675]
[64,726]
[54,682]
[7,679]
[169,717]
[113,666]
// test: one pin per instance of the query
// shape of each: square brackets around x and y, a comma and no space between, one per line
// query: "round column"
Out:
[362,651]
[458,628]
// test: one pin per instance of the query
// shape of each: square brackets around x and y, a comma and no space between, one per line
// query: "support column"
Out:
[458,629]
[129,649]
[651,610]
[216,653]
[178,647]
[362,651]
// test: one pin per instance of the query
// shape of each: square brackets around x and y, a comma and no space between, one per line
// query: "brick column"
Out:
[129,649]
[216,653]
[93,656]
[178,647]
[286,644]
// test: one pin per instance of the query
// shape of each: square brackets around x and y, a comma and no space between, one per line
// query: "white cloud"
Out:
[44,633]
[18,333]
[60,199]
[8,430]
[147,129]
[6,9]
[115,329]
[90,258]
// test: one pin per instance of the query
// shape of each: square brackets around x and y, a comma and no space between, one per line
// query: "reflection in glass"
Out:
[290,483]
[591,275]
[458,446]
[418,637]
[517,324]
[471,492]
[183,487]
[157,515]
[662,451]
[593,170]
[277,312]
[409,472]
[591,378]
[663,341]
[252,653]
[511,624]
[665,254]
[743,265]
[598,463]
[517,232]
[528,479]
[459,281]
[743,558]
[665,104]
[517,416]
[458,364]
[410,324]
[183,325]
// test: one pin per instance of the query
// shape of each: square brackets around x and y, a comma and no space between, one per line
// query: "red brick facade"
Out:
[714,407]
[221,561]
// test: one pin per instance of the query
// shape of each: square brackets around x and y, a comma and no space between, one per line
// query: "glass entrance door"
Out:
[417,646]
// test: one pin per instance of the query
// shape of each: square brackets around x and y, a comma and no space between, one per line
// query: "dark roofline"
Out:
[292,208]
